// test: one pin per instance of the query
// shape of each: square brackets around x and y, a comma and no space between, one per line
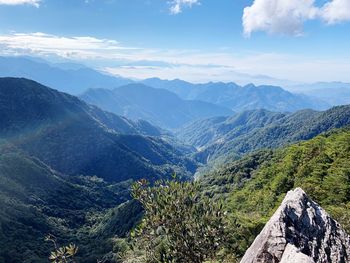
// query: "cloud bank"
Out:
[177,5]
[69,47]
[287,17]
[35,3]
[193,65]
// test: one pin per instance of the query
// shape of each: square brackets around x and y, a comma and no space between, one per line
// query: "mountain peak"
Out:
[249,85]
[300,231]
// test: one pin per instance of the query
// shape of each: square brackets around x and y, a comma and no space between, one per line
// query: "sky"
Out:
[195,40]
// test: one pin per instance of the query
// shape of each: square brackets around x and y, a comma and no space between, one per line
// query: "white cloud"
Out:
[243,69]
[91,48]
[336,11]
[69,47]
[35,3]
[177,5]
[288,16]
[191,65]
[278,16]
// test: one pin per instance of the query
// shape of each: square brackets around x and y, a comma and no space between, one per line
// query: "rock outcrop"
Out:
[300,231]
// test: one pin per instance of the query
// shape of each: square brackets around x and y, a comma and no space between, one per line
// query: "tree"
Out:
[179,225]
[64,254]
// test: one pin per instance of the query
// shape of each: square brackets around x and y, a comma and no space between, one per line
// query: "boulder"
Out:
[300,231]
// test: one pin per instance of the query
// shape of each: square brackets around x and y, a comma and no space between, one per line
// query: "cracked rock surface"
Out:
[300,231]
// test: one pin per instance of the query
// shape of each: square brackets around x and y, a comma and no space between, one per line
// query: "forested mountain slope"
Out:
[252,130]
[254,186]
[205,132]
[37,200]
[74,138]
[66,169]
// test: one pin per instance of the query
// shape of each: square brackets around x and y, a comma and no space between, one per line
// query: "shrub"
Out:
[179,225]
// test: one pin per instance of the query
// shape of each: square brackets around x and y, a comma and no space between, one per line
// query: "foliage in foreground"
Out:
[61,254]
[179,224]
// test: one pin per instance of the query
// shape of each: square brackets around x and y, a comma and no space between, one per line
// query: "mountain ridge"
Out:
[66,169]
[259,129]
[71,80]
[158,106]
[73,138]
[240,98]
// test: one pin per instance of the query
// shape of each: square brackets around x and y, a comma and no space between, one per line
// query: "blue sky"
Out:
[196,40]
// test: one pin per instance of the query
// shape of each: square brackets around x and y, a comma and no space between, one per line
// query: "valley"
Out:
[176,131]
[67,167]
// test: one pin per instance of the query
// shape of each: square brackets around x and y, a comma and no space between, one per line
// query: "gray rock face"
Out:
[300,231]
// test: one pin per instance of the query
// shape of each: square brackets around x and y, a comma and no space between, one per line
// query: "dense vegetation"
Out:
[254,186]
[36,201]
[251,189]
[221,138]
[179,224]
[75,138]
[66,169]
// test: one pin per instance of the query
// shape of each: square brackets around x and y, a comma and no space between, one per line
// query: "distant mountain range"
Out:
[158,106]
[334,93]
[240,98]
[69,78]
[193,101]
[75,138]
[229,137]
